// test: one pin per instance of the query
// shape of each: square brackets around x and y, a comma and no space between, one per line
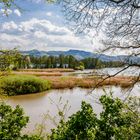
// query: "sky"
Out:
[34,24]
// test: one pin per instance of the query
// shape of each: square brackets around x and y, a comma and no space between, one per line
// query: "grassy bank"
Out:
[22,84]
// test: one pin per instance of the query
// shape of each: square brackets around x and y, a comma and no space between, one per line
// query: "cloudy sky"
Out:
[42,26]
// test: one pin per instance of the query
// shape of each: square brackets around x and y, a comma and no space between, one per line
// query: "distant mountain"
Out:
[36,53]
[76,53]
[83,54]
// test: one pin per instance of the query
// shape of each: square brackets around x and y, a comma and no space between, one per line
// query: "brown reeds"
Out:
[61,82]
[38,73]
[48,70]
[71,82]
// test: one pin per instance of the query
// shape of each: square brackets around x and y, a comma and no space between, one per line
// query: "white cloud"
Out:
[43,25]
[41,34]
[13,40]
[9,26]
[49,14]
[37,1]
[17,12]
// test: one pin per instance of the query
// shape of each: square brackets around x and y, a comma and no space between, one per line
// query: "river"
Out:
[131,71]
[36,105]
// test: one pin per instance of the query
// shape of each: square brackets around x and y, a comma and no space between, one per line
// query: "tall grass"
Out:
[48,70]
[38,73]
[89,82]
[26,84]
[22,84]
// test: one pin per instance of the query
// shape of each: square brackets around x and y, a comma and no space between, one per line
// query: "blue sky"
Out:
[42,26]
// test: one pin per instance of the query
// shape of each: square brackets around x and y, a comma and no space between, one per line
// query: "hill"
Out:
[78,54]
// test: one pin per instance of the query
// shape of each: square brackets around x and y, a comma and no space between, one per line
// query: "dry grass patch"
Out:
[62,82]
[47,70]
[123,81]
[38,73]
[71,82]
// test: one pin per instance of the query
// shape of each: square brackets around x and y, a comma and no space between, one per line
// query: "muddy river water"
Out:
[37,105]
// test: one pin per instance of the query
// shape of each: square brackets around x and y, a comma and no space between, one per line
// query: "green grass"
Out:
[22,84]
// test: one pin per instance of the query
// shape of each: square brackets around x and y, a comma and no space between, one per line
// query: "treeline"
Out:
[70,62]
[14,60]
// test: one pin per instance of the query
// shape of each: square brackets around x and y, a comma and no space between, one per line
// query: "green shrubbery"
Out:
[12,121]
[22,84]
[117,121]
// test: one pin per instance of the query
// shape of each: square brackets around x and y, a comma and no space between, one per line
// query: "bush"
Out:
[22,84]
[12,121]
[116,122]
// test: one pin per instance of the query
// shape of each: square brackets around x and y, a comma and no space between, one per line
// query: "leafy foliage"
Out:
[117,121]
[12,121]
[7,3]
[22,84]
[81,66]
[9,59]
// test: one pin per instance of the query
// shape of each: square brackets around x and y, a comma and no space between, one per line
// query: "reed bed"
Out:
[26,84]
[38,73]
[62,83]
[71,82]
[47,70]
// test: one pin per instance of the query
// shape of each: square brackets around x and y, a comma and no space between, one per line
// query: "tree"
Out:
[72,61]
[119,20]
[80,66]
[117,121]
[5,5]
[12,121]
[9,59]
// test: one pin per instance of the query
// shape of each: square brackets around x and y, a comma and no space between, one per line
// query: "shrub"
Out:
[12,121]
[116,122]
[22,84]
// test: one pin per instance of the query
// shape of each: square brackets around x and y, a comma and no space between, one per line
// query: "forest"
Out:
[62,61]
